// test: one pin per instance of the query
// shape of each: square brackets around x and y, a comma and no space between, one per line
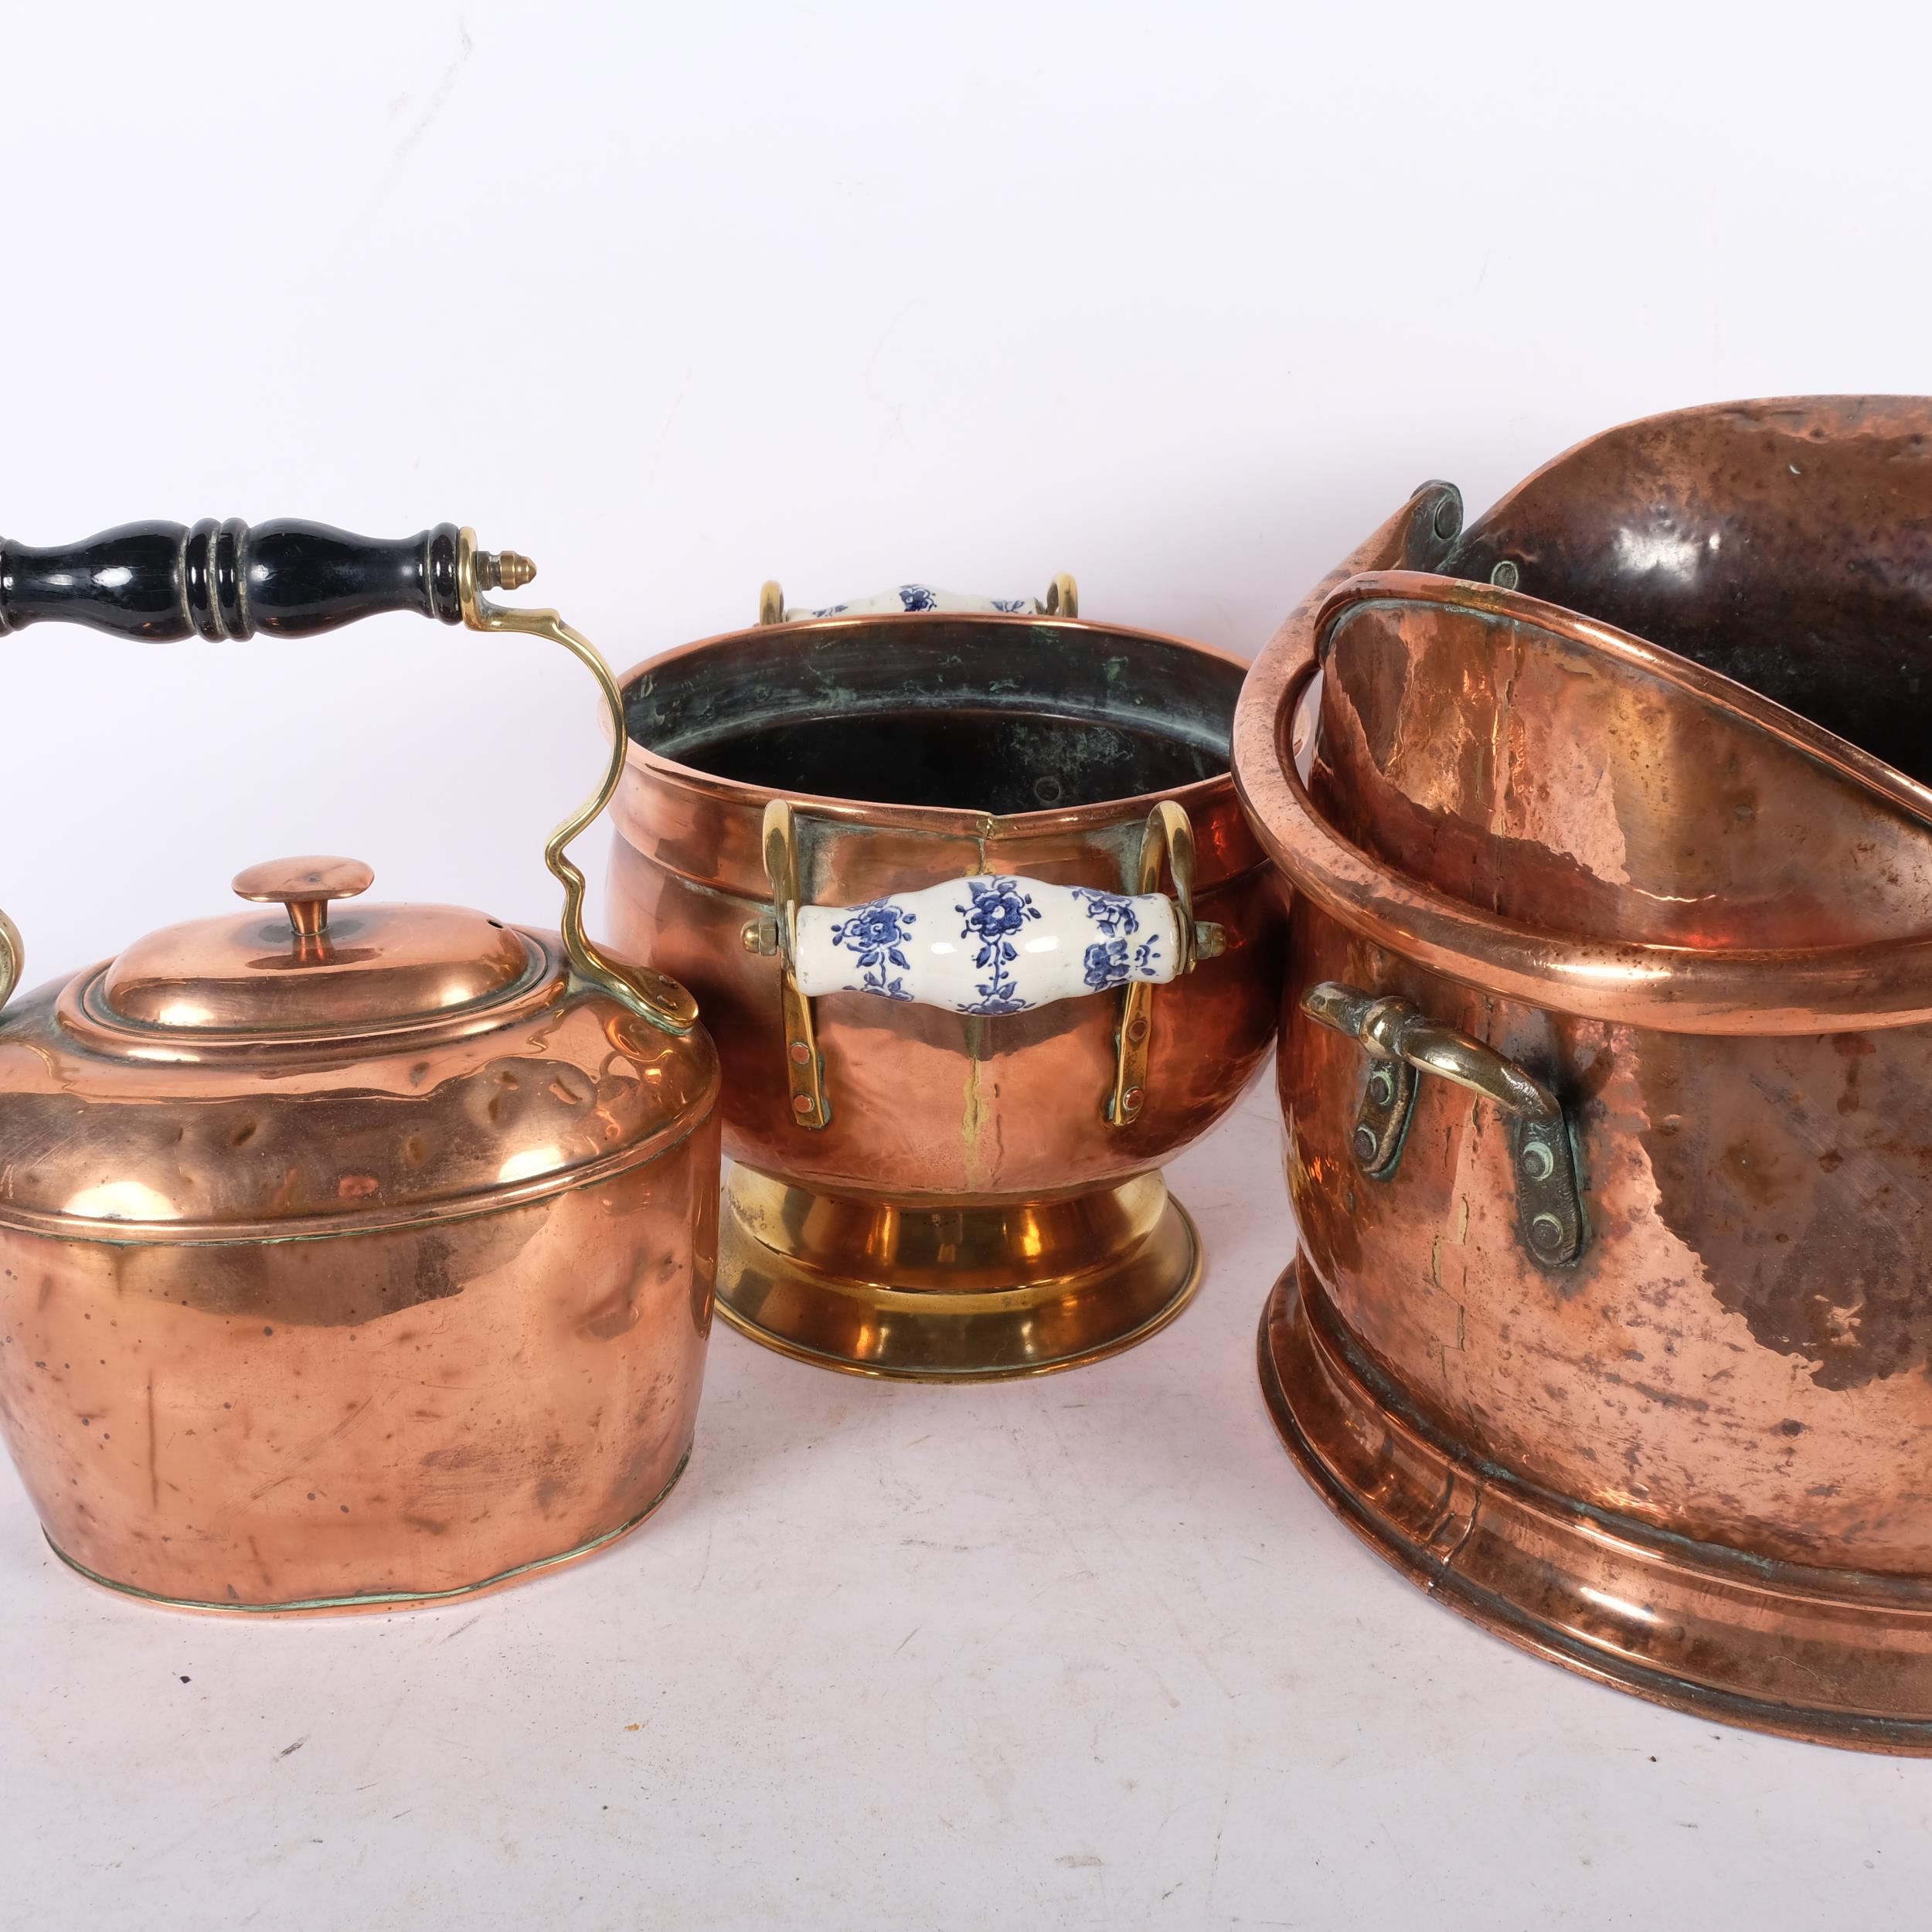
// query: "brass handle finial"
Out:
[303,888]
[503,570]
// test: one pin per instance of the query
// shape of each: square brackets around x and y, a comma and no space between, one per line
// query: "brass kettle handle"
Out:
[652,996]
[12,958]
[1401,1040]
[164,581]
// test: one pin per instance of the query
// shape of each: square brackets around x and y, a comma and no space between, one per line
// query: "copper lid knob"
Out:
[303,887]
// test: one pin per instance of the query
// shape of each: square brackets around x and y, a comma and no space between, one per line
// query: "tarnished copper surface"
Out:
[1735,1637]
[362,1307]
[1691,1462]
[929,1108]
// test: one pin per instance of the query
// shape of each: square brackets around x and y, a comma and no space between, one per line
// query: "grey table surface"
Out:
[1084,1651]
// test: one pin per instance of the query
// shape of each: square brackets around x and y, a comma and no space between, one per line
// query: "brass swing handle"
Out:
[1404,1040]
[220,580]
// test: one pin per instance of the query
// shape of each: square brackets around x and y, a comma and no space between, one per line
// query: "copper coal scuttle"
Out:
[1606,1055]
[350,1254]
[964,889]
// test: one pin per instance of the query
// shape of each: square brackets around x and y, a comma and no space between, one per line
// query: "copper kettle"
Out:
[351,1255]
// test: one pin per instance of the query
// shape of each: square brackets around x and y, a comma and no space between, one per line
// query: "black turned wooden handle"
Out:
[163,581]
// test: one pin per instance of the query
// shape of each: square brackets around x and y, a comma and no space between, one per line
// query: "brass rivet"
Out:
[1382,1084]
[1137,1032]
[1364,1143]
[1538,1161]
[1547,1233]
[801,1053]
[801,1103]
[1131,1099]
[1505,576]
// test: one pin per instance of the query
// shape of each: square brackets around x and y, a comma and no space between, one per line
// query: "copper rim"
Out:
[942,820]
[1672,989]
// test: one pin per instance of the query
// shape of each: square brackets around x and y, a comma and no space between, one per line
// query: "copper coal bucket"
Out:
[972,912]
[1608,1049]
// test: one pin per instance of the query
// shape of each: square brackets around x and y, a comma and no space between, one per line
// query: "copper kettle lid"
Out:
[310,969]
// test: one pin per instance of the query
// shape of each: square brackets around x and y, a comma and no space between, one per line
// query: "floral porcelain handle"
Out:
[1062,600]
[988,945]
[984,946]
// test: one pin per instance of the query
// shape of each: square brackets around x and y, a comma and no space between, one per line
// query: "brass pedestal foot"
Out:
[924,1291]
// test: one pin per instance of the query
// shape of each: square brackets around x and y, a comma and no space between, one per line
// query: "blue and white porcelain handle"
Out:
[1062,600]
[989,945]
[985,947]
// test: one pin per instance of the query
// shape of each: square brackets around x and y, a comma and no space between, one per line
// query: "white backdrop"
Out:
[676,298]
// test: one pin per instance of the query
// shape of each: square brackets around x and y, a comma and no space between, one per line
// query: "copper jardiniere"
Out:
[1606,1053]
[350,1255]
[937,1193]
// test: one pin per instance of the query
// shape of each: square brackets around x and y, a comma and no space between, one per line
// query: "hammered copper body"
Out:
[1554,797]
[969,1209]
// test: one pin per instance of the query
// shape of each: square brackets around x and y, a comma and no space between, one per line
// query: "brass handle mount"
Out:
[1401,1041]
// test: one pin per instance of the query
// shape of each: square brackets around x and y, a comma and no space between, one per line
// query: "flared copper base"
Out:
[1834,1656]
[381,1600]
[925,1292]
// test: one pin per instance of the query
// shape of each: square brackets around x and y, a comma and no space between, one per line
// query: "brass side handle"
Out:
[1401,1041]
[12,958]
[1390,1028]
